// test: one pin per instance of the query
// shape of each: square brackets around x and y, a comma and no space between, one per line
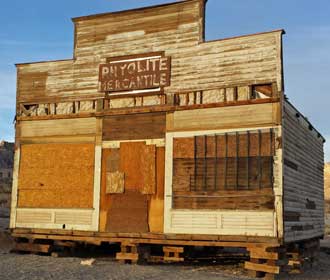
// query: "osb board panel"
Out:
[226,117]
[303,185]
[62,127]
[128,213]
[115,182]
[56,176]
[138,163]
[134,127]
[130,159]
[148,168]
[156,206]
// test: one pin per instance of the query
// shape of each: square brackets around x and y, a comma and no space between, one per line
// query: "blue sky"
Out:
[37,30]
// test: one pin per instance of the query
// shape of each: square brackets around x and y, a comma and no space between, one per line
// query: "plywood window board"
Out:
[148,161]
[115,180]
[56,176]
[138,162]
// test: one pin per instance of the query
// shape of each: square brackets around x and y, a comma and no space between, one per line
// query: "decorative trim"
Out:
[248,223]
[97,187]
[67,219]
[14,193]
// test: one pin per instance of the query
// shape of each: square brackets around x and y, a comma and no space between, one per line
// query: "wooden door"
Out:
[132,188]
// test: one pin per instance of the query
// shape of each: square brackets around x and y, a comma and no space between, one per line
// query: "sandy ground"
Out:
[36,267]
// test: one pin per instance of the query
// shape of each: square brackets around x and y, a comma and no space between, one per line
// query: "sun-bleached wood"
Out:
[303,186]
[65,127]
[14,192]
[69,219]
[226,118]
[178,30]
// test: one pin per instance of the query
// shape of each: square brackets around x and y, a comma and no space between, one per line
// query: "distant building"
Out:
[327,194]
[6,172]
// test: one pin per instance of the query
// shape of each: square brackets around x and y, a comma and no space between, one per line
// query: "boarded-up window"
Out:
[213,165]
[56,176]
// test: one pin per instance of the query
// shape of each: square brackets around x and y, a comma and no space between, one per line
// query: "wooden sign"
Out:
[135,73]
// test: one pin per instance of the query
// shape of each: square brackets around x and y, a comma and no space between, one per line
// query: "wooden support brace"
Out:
[32,248]
[266,262]
[172,254]
[129,253]
[262,267]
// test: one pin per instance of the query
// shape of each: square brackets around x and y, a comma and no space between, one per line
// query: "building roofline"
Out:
[282,31]
[93,16]
[305,119]
[44,61]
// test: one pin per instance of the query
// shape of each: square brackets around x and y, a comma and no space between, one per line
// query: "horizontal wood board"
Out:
[303,180]
[177,29]
[63,127]
[225,117]
[134,127]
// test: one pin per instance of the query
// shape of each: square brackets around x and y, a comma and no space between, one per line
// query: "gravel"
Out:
[37,267]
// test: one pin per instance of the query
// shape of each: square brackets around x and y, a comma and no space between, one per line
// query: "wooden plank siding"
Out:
[134,127]
[64,127]
[260,115]
[175,29]
[303,196]
[227,171]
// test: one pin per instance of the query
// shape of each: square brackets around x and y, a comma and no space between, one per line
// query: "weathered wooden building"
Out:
[151,136]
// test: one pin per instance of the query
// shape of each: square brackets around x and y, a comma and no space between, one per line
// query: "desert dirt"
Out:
[327,181]
[36,267]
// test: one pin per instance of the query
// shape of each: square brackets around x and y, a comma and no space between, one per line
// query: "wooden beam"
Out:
[226,158]
[151,238]
[262,267]
[237,159]
[215,161]
[30,247]
[248,161]
[205,164]
[259,159]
